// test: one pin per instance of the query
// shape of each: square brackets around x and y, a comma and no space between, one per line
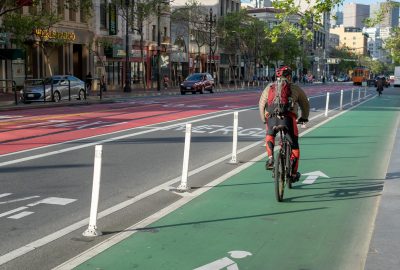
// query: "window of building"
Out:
[153,32]
[46,5]
[72,15]
[60,8]
[103,14]
[165,32]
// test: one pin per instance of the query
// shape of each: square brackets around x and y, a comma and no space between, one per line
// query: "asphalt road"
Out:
[47,165]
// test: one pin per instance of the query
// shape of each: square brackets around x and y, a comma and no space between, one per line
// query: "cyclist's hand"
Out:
[302,120]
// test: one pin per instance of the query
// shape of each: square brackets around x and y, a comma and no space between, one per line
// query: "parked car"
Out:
[386,81]
[197,82]
[63,86]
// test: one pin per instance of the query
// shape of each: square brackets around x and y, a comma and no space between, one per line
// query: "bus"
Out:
[360,74]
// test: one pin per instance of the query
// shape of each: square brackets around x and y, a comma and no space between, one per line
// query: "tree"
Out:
[392,44]
[37,24]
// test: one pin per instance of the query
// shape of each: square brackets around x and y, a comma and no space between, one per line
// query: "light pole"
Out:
[158,49]
[127,87]
[211,20]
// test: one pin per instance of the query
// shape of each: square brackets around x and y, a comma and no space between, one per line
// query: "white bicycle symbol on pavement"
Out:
[225,263]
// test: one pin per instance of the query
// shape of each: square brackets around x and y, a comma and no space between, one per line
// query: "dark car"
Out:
[386,81]
[63,86]
[197,82]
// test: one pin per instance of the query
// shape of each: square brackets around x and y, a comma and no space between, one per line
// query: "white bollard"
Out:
[365,92]
[327,104]
[185,167]
[341,99]
[92,228]
[352,96]
[359,94]
[235,138]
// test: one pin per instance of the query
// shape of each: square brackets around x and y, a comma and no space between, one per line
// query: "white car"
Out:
[62,86]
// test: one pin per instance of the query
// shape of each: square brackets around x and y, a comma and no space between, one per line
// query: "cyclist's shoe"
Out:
[295,177]
[269,165]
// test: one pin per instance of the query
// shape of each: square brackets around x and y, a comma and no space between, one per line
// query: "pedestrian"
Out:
[166,81]
[103,84]
[89,80]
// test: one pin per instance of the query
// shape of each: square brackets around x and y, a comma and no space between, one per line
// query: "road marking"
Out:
[13,211]
[5,195]
[312,176]
[53,200]
[15,161]
[21,215]
[21,199]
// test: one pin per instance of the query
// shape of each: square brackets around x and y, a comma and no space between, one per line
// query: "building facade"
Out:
[354,15]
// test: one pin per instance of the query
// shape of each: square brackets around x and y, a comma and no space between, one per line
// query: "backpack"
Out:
[279,97]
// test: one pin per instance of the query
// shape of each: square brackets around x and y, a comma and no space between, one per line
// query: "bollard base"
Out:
[92,232]
[182,188]
[233,161]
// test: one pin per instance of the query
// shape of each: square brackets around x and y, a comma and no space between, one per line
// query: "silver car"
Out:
[63,86]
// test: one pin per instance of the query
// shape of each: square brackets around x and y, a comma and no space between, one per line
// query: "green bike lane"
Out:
[238,224]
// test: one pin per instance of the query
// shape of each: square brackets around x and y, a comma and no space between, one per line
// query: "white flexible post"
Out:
[341,99]
[327,104]
[92,228]
[352,96]
[235,138]
[365,92]
[359,94]
[183,186]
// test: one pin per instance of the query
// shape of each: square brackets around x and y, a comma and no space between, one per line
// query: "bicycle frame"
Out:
[283,166]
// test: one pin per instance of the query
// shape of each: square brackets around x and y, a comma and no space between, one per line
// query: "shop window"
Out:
[72,15]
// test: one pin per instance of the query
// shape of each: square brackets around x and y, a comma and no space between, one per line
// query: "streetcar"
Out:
[360,74]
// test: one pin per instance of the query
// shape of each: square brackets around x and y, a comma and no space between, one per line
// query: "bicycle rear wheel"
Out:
[279,181]
[288,171]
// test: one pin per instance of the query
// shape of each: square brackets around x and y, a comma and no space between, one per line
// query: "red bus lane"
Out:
[28,129]
[36,128]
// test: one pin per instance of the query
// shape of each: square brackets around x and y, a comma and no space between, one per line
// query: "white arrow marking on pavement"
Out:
[18,200]
[5,195]
[53,200]
[13,211]
[312,176]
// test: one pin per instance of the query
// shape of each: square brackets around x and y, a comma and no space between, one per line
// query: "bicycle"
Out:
[282,171]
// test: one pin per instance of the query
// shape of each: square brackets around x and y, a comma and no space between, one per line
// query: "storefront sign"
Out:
[113,26]
[49,34]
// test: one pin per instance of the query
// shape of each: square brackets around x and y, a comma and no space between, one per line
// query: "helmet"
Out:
[283,71]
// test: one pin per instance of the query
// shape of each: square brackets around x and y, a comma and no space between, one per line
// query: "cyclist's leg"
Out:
[270,142]
[293,137]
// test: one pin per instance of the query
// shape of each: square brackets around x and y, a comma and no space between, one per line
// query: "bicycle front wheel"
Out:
[279,173]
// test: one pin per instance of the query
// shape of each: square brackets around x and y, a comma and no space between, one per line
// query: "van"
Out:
[396,82]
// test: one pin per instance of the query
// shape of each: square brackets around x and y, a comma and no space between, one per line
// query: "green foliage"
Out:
[392,44]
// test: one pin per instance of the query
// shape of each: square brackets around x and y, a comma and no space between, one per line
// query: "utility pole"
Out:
[127,87]
[158,49]
[211,20]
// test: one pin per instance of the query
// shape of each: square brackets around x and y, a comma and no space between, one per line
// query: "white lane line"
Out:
[5,195]
[13,211]
[51,237]
[21,199]
[15,161]
[21,215]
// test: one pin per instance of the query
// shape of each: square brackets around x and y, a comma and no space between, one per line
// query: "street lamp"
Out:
[127,87]
[211,20]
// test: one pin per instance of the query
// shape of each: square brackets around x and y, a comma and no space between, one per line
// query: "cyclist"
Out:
[288,119]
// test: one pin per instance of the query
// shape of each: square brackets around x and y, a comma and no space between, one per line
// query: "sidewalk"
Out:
[7,100]
[238,224]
